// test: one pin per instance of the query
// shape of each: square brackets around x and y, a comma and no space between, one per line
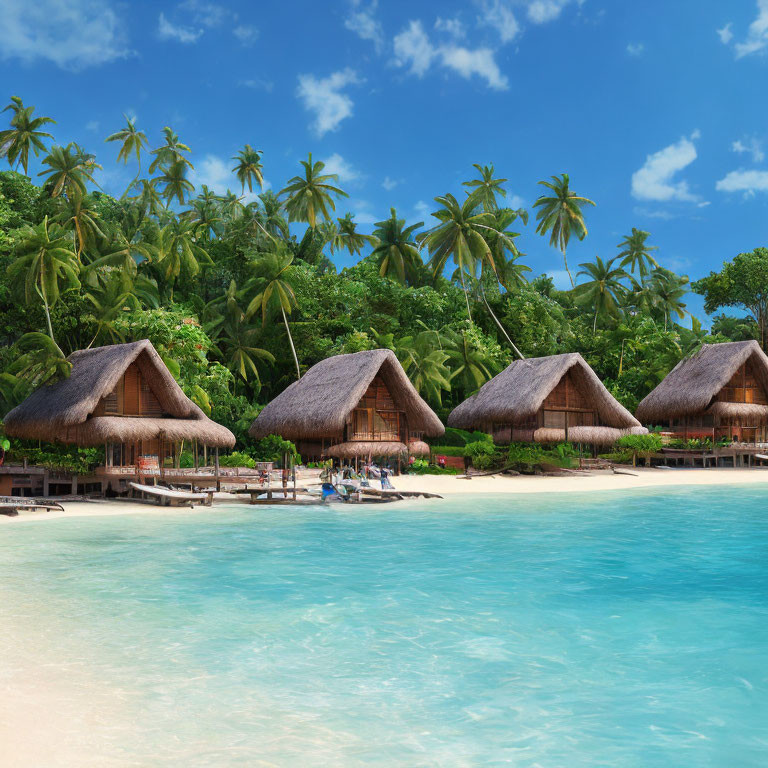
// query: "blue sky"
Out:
[655,109]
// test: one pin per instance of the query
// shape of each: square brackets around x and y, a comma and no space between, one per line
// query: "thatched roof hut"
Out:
[95,405]
[547,399]
[720,386]
[364,397]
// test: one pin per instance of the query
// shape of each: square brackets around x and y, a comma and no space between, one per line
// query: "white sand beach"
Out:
[449,485]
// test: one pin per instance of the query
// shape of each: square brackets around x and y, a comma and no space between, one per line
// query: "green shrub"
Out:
[273,448]
[483,461]
[237,459]
[525,456]
[448,450]
[640,444]
[431,469]
[479,448]
[61,459]
[455,437]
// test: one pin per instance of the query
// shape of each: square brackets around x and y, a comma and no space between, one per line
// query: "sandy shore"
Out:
[450,485]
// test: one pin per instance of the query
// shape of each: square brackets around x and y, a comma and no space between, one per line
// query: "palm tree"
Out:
[78,212]
[272,269]
[273,220]
[179,252]
[461,234]
[171,152]
[146,197]
[468,364]
[344,234]
[133,142]
[561,215]
[249,167]
[70,168]
[23,135]
[45,265]
[668,290]
[205,212]
[228,324]
[109,302]
[425,365]
[636,253]
[486,188]
[40,360]
[174,177]
[312,194]
[603,292]
[396,249]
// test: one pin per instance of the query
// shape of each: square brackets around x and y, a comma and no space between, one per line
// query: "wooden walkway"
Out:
[11,505]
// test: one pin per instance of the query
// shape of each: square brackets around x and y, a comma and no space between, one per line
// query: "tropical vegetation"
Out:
[241,295]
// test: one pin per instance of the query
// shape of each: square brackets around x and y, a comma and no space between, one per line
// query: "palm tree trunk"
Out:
[501,327]
[570,276]
[290,339]
[45,301]
[466,295]
[594,323]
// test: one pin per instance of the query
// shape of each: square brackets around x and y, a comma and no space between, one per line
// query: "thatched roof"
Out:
[64,411]
[418,448]
[690,386]
[585,435]
[519,391]
[362,448]
[318,404]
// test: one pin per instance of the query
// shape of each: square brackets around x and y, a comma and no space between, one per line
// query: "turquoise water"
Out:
[622,629]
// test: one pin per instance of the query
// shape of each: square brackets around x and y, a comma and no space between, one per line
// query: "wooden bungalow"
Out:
[351,406]
[720,391]
[546,400]
[124,398]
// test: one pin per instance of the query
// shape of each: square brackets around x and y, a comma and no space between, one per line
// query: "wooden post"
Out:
[45,484]
[216,464]
[74,485]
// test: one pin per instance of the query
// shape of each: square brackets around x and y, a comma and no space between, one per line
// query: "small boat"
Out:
[169,496]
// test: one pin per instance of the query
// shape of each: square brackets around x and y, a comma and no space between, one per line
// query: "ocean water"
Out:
[618,629]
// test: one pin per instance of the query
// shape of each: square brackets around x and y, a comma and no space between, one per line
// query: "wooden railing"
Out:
[387,436]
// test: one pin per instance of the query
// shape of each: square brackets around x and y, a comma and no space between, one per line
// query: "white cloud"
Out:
[514,202]
[542,11]
[654,181]
[73,35]
[323,96]
[92,125]
[389,184]
[245,34]
[498,14]
[478,62]
[414,50]
[257,84]
[345,171]
[208,14]
[748,182]
[423,212]
[561,279]
[725,34]
[452,27]
[363,22]
[216,173]
[751,145]
[168,31]
[650,213]
[757,34]
[363,213]
[635,49]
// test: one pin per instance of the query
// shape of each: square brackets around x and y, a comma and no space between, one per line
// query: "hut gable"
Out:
[321,402]
[517,394]
[114,393]
[711,380]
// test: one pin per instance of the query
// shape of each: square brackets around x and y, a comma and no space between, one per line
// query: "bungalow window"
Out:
[112,404]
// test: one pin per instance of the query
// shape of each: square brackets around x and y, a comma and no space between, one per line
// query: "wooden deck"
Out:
[171,497]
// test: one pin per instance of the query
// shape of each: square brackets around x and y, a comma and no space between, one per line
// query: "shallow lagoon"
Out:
[625,628]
